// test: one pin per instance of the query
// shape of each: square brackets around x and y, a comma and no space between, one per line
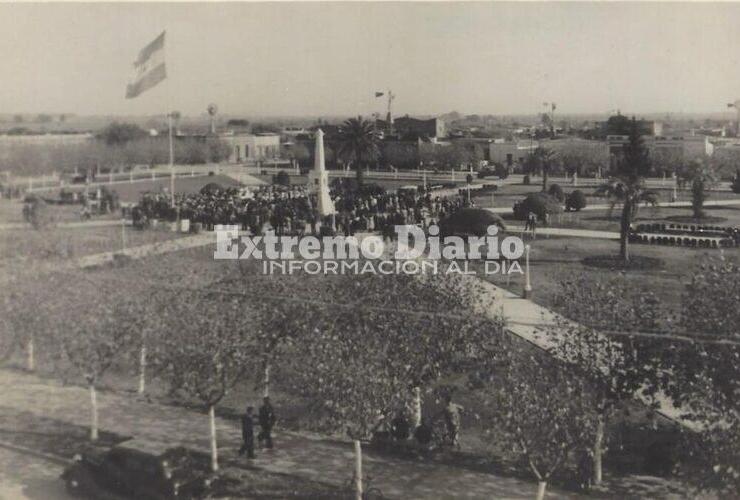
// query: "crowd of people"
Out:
[293,210]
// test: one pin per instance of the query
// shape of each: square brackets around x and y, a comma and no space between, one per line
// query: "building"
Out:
[249,148]
[679,148]
[406,127]
[510,152]
[292,131]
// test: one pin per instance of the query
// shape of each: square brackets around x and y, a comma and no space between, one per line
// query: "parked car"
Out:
[141,470]
[486,172]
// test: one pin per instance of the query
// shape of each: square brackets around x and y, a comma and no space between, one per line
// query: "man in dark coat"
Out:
[248,433]
[267,422]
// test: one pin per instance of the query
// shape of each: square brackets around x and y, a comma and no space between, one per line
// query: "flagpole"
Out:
[172,161]
[169,126]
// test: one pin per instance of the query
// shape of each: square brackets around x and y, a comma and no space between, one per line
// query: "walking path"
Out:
[559,231]
[297,454]
[527,320]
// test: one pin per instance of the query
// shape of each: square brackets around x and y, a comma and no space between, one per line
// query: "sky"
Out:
[328,59]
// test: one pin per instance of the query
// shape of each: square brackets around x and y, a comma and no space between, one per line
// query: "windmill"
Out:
[389,116]
[212,110]
[736,105]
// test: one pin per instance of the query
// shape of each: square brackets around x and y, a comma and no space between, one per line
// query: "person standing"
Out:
[267,422]
[247,433]
[533,224]
[452,419]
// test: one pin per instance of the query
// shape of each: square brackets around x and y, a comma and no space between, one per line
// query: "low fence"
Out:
[21,186]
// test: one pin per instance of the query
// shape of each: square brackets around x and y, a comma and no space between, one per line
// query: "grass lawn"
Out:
[508,194]
[131,193]
[11,212]
[554,260]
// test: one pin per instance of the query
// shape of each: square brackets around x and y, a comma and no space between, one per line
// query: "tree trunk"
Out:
[416,408]
[142,369]
[544,179]
[31,363]
[266,388]
[214,446]
[624,231]
[93,413]
[541,488]
[598,450]
[358,470]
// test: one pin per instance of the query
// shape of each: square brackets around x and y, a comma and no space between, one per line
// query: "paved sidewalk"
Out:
[526,320]
[296,454]
[559,231]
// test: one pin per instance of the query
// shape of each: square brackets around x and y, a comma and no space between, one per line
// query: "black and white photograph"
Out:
[365,250]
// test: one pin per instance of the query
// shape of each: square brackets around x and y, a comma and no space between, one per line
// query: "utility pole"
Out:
[389,116]
[736,105]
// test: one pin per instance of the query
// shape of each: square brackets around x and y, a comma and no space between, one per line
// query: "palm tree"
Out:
[542,159]
[358,142]
[627,185]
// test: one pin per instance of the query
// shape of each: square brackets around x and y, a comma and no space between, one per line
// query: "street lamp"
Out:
[527,282]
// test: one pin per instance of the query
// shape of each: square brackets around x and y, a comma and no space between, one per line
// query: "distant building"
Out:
[431,128]
[679,147]
[294,131]
[510,152]
[247,148]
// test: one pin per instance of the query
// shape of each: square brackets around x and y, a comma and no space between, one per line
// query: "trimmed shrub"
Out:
[470,221]
[527,181]
[502,171]
[539,204]
[37,213]
[556,192]
[575,201]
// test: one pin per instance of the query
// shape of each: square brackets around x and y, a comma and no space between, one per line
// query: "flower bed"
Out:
[687,235]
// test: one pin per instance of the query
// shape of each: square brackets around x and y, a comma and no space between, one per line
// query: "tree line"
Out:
[359,348]
[119,146]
